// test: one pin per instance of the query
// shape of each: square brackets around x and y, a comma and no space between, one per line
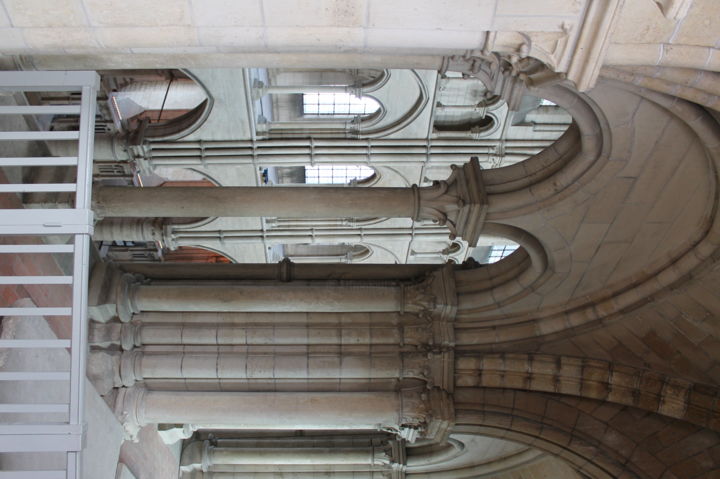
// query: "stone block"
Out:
[320,39]
[531,403]
[12,40]
[291,366]
[355,336]
[245,38]
[642,22]
[4,21]
[128,13]
[542,383]
[232,366]
[140,37]
[324,367]
[290,336]
[231,13]
[393,38]
[261,336]
[439,14]
[39,13]
[321,13]
[199,366]
[360,366]
[492,379]
[51,38]
[701,24]
[622,385]
[231,336]
[323,336]
[260,366]
[533,24]
[546,8]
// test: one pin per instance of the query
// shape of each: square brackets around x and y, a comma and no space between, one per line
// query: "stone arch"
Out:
[553,173]
[505,281]
[175,127]
[600,440]
[680,262]
[593,379]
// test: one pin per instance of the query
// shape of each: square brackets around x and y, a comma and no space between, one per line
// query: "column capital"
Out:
[427,414]
[459,203]
[434,298]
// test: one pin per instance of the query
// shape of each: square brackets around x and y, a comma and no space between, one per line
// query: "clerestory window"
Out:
[330,174]
[499,252]
[338,105]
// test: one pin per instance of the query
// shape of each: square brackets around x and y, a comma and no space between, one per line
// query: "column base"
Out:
[130,411]
[109,294]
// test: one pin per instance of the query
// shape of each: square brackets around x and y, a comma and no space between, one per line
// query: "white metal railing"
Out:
[64,434]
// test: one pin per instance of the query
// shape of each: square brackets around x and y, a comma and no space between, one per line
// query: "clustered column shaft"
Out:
[458,203]
[392,340]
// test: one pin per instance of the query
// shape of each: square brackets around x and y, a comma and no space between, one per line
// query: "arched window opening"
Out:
[162,103]
[338,105]
[466,109]
[321,253]
[330,174]
[493,252]
[473,126]
[155,104]
[322,174]
[189,254]
[540,118]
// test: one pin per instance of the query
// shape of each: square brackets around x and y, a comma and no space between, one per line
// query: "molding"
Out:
[588,54]
[674,9]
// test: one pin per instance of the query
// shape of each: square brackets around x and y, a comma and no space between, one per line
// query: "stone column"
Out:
[258,329]
[114,294]
[281,368]
[203,455]
[286,475]
[459,202]
[406,413]
[135,297]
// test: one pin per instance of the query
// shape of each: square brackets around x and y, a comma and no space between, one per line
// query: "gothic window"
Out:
[331,174]
[498,252]
[338,105]
[321,253]
[492,253]
[159,104]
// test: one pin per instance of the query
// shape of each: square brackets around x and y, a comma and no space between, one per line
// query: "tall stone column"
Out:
[259,329]
[407,413]
[318,453]
[272,475]
[459,202]
[114,294]
[282,368]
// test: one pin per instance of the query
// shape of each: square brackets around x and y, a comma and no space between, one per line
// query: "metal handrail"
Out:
[65,436]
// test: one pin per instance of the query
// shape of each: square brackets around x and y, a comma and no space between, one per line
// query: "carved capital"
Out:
[427,414]
[434,298]
[459,203]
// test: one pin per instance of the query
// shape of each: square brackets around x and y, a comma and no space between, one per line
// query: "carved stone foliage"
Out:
[459,203]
